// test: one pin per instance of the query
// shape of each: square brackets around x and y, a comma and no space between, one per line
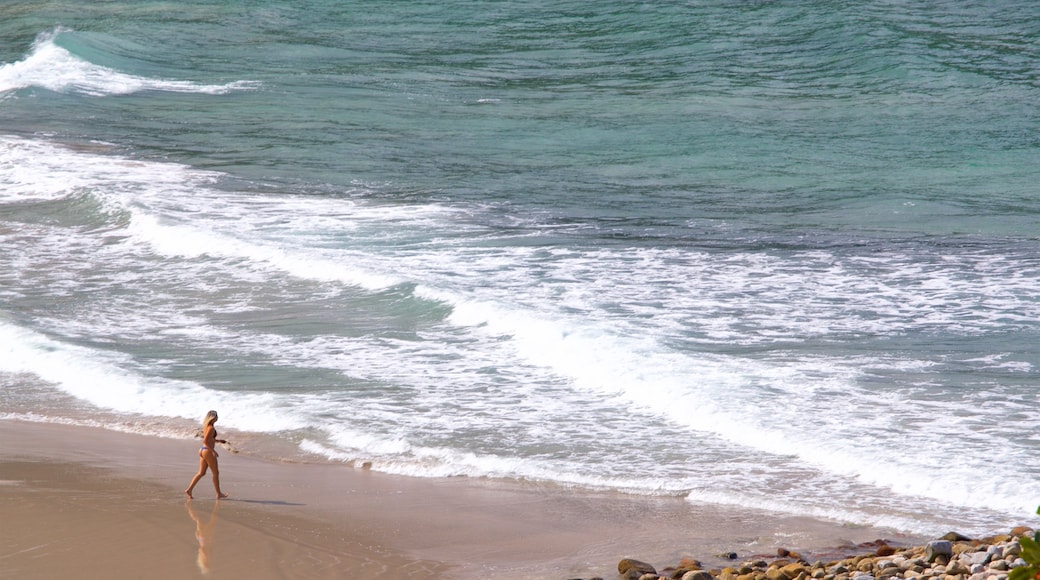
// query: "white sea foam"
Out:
[400,458]
[107,380]
[905,521]
[54,68]
[34,171]
[37,170]
[776,407]
[553,364]
[189,241]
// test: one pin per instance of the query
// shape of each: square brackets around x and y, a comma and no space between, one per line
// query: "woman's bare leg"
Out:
[203,466]
[211,459]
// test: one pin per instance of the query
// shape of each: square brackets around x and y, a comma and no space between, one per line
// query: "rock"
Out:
[792,571]
[690,564]
[1021,531]
[627,565]
[955,537]
[964,548]
[885,550]
[1011,550]
[977,558]
[937,548]
[650,576]
[696,575]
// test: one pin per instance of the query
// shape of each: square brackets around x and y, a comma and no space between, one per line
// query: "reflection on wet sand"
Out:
[203,533]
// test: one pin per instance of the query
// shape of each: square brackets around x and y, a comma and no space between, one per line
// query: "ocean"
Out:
[768,255]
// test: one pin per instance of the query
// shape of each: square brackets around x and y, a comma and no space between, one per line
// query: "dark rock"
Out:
[884,549]
[627,565]
[955,537]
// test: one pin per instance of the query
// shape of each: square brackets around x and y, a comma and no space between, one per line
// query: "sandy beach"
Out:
[90,503]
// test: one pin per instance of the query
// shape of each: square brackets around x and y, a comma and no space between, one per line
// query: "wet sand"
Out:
[90,503]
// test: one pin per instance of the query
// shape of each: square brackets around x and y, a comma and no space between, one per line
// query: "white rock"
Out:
[977,557]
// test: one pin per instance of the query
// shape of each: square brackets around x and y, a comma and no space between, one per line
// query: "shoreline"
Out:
[310,520]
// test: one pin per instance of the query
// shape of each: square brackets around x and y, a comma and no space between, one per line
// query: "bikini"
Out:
[204,448]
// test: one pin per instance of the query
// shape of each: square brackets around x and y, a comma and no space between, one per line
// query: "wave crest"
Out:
[54,68]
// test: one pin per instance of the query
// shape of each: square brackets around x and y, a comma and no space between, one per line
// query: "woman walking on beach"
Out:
[208,455]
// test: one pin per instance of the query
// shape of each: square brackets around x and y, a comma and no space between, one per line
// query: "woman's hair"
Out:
[210,418]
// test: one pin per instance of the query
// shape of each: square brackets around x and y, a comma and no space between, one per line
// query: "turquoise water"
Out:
[747,253]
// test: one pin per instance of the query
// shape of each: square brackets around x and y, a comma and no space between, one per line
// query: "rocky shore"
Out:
[952,557]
